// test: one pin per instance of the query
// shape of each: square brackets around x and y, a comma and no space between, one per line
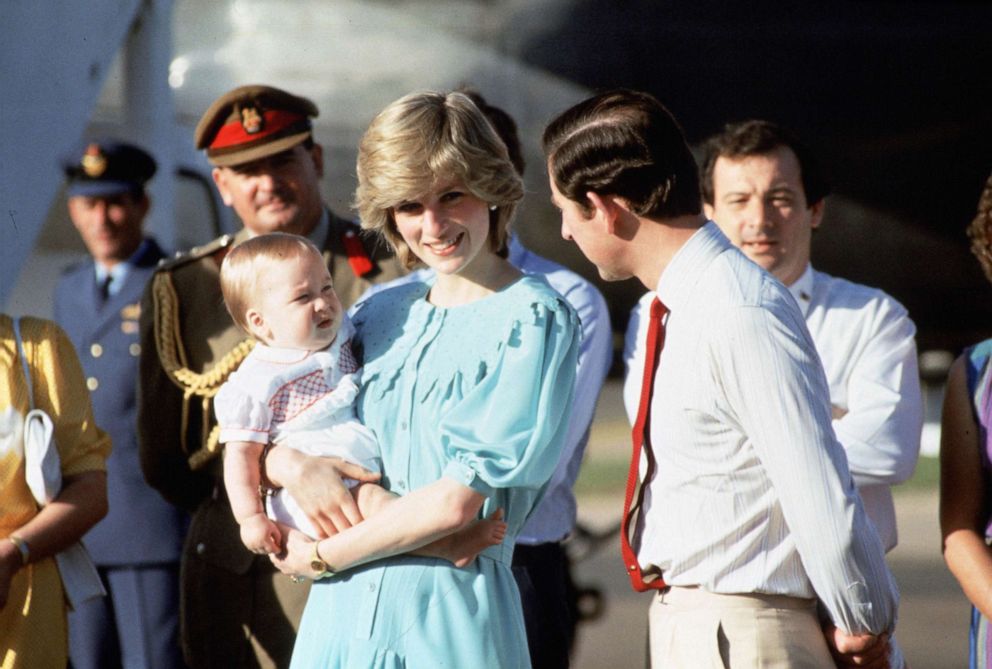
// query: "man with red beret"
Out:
[236,609]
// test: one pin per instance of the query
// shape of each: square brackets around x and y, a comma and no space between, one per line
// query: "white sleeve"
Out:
[881,429]
[780,396]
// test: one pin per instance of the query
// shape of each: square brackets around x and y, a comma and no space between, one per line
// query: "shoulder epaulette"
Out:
[183,257]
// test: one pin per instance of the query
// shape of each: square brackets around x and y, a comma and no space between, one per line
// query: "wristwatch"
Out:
[318,565]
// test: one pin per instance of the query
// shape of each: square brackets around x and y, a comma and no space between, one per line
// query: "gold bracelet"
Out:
[22,548]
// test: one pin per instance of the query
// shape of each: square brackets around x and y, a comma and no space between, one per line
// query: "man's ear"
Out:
[816,213]
[220,180]
[610,207]
[605,208]
[708,211]
[317,156]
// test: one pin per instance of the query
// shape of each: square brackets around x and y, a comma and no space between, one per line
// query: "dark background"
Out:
[891,96]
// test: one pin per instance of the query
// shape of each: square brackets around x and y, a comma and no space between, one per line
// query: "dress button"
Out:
[134,350]
[92,383]
[96,350]
[201,548]
[400,484]
[371,587]
[403,425]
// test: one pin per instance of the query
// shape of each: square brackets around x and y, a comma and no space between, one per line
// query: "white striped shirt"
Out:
[752,491]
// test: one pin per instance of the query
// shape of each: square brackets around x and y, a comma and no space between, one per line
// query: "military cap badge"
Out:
[251,120]
[94,163]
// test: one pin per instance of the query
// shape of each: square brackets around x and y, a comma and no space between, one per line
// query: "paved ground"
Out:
[933,615]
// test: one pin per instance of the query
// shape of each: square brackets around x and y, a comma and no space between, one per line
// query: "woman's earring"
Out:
[493,207]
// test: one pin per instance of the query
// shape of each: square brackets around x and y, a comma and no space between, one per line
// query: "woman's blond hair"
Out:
[422,139]
[246,264]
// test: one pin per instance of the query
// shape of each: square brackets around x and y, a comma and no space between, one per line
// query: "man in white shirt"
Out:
[750,514]
[766,191]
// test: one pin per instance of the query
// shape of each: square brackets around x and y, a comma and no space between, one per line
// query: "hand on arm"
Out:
[411,521]
[962,494]
[78,507]
[316,485]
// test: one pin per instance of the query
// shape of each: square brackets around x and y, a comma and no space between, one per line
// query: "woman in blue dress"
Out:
[467,385]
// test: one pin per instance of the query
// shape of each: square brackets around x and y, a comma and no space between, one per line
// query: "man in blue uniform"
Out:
[137,546]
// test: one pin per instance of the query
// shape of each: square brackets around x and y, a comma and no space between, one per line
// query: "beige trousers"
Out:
[690,628]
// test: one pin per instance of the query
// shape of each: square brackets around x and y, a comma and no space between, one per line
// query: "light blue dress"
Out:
[479,393]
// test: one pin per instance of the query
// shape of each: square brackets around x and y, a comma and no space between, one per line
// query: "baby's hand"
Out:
[260,535]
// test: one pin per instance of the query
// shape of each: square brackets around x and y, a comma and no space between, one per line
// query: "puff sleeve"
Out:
[241,416]
[508,430]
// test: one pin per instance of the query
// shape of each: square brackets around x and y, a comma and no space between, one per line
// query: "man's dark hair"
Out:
[758,138]
[504,125]
[627,144]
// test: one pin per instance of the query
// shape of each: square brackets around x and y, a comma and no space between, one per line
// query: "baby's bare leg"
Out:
[462,547]
[459,548]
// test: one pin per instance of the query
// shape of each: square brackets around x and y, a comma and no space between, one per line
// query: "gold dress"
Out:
[33,622]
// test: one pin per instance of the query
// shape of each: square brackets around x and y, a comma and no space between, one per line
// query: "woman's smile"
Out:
[446,247]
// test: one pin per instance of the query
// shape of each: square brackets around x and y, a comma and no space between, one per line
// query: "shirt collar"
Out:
[802,290]
[280,355]
[118,273]
[689,263]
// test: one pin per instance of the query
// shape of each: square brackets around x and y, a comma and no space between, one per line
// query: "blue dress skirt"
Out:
[479,393]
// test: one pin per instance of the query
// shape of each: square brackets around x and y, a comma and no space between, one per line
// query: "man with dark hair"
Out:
[766,191]
[136,546]
[236,609]
[747,513]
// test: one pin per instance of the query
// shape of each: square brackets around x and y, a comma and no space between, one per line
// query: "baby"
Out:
[297,388]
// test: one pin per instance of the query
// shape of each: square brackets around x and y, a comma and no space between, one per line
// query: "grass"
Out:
[926,477]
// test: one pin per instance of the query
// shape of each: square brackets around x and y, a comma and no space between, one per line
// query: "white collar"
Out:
[802,290]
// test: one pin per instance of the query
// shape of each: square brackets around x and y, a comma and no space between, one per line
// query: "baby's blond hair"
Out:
[245,268]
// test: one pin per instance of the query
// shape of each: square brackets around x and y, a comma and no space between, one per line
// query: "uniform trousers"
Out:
[691,628]
[136,626]
[548,597]
[240,620]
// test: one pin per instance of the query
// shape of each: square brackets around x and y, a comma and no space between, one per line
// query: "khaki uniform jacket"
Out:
[184,323]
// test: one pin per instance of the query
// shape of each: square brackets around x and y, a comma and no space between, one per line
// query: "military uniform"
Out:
[228,594]
[236,609]
[136,546]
